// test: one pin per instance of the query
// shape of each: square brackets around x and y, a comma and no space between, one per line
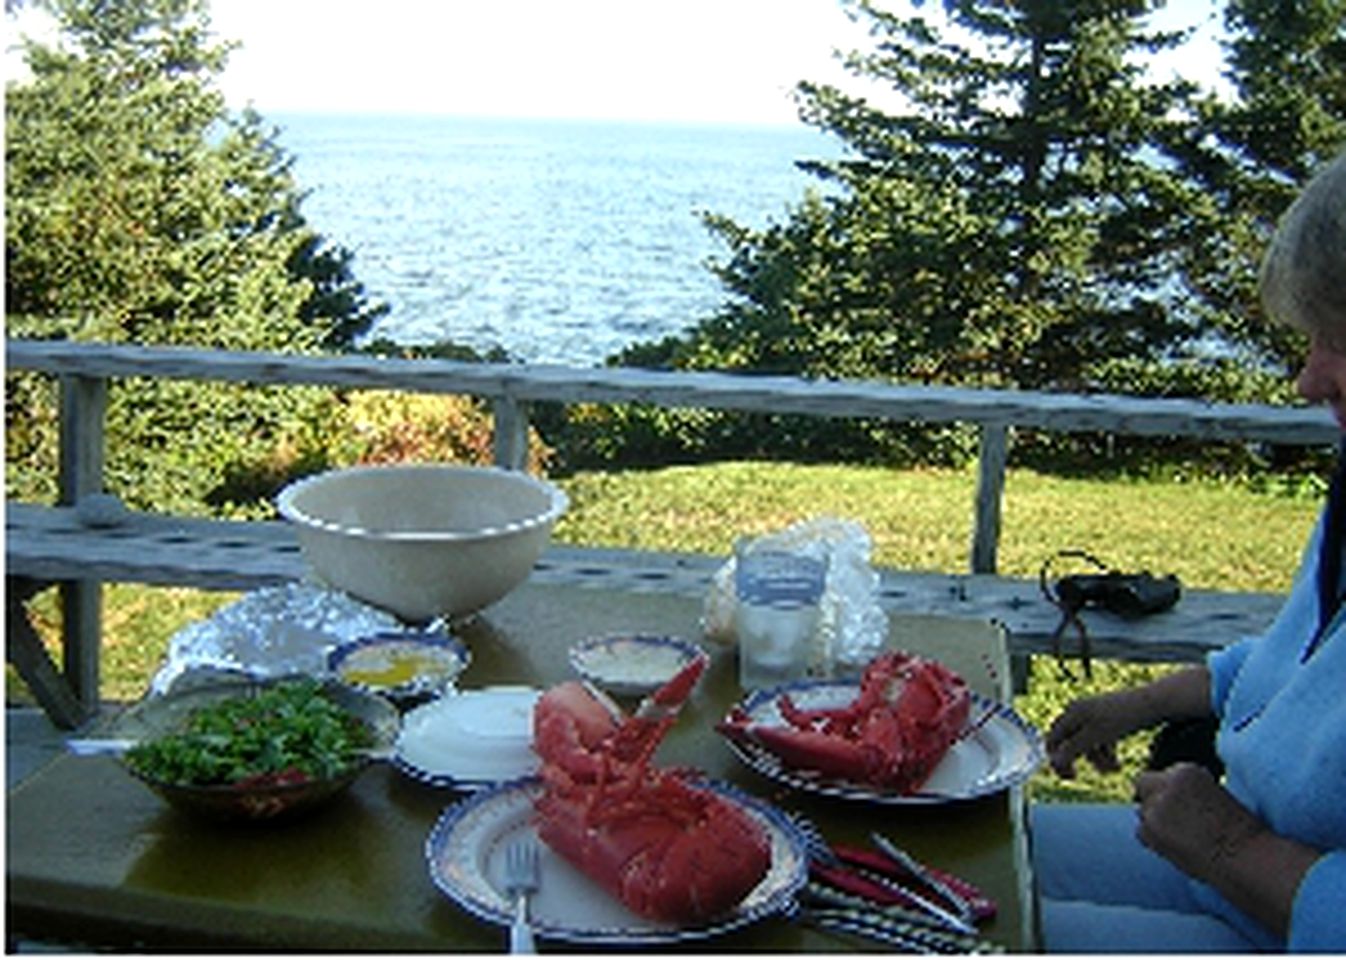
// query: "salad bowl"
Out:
[255,750]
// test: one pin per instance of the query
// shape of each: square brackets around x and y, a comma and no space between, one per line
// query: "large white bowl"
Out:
[423,540]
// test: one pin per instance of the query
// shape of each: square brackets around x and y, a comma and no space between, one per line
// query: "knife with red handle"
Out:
[969,899]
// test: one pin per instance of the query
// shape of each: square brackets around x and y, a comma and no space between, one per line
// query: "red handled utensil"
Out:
[891,861]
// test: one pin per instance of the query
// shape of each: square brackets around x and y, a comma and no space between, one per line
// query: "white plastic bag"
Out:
[852,627]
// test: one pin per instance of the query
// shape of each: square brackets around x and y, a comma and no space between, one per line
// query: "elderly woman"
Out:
[1257,861]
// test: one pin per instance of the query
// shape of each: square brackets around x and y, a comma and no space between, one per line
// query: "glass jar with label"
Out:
[775,615]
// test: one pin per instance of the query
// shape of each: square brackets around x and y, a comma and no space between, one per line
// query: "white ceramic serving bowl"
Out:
[423,540]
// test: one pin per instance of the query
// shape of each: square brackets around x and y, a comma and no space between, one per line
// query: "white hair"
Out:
[1303,278]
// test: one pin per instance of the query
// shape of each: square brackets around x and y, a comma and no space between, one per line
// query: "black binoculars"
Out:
[1125,594]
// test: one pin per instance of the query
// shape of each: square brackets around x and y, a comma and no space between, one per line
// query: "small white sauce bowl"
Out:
[632,664]
[406,668]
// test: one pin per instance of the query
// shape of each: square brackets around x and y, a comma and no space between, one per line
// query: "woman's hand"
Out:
[1091,727]
[1190,819]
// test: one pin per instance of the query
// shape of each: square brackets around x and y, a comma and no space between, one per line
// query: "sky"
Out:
[695,61]
[672,60]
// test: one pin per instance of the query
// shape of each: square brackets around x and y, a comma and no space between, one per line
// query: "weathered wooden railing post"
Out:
[82,453]
[991,465]
[83,414]
[990,494]
[511,433]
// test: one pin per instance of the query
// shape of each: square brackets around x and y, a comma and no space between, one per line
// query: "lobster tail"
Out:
[669,851]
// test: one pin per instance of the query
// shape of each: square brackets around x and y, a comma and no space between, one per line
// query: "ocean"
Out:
[559,241]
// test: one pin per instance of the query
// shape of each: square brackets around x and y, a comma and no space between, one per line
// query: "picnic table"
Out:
[94,859]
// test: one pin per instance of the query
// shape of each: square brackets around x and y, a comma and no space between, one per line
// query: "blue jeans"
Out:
[1102,891]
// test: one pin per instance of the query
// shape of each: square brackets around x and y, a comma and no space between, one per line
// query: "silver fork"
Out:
[521,880]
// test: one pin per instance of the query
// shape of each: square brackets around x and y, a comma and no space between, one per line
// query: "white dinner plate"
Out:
[1000,750]
[465,854]
[470,739]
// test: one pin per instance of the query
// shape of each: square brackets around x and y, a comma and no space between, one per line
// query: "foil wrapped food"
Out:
[270,632]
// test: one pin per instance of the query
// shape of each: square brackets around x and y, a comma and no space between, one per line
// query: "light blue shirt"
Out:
[1283,740]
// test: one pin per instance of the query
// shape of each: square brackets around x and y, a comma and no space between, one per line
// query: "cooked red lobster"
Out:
[906,715]
[669,849]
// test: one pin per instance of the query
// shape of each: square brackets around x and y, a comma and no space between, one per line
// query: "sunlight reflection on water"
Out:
[560,241]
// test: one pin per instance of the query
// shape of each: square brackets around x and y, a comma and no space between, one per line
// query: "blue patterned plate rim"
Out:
[451,847]
[989,715]
[440,781]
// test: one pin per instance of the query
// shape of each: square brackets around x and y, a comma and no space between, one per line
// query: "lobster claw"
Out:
[669,698]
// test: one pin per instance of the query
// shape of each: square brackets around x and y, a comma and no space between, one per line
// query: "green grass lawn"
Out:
[1211,535]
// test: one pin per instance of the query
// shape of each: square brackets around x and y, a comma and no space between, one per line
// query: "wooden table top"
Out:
[94,858]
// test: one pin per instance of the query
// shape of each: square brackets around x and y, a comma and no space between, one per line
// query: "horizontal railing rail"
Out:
[1113,413]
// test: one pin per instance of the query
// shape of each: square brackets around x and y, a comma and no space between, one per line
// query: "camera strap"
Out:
[1070,607]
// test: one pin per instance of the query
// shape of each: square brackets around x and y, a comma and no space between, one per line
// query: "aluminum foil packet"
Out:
[852,626]
[270,632]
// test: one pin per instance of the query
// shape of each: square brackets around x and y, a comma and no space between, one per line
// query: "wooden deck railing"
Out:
[85,369]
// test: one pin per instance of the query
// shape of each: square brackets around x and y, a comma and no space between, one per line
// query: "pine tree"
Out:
[1012,224]
[1286,60]
[1021,204]
[139,206]
[140,210]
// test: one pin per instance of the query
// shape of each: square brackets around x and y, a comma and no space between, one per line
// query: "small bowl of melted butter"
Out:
[406,668]
[632,664]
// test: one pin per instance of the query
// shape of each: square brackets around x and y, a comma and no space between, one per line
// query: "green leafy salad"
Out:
[286,733]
